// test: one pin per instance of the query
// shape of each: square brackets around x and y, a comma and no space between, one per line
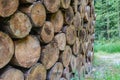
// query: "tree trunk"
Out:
[70,35]
[65,3]
[47,32]
[52,5]
[6,49]
[19,26]
[69,14]
[12,74]
[24,50]
[61,40]
[57,20]
[8,7]
[36,12]
[76,46]
[49,55]
[37,72]
[66,56]
[56,72]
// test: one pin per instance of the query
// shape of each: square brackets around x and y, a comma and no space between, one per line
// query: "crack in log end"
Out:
[48,31]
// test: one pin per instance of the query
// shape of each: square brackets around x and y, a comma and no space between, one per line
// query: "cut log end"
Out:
[24,50]
[65,3]
[8,7]
[20,25]
[37,72]
[6,49]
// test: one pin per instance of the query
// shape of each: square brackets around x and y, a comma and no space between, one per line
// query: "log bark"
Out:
[6,49]
[27,1]
[77,21]
[66,56]
[19,25]
[52,5]
[57,20]
[61,41]
[37,72]
[56,72]
[68,15]
[70,35]
[36,12]
[76,46]
[47,32]
[24,50]
[8,7]
[12,74]
[65,3]
[49,55]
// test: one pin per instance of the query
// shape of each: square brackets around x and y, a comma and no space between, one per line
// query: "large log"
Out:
[6,49]
[12,74]
[56,72]
[66,56]
[19,25]
[76,46]
[27,52]
[49,55]
[70,35]
[52,5]
[65,3]
[57,20]
[61,40]
[47,32]
[68,15]
[36,12]
[37,72]
[8,7]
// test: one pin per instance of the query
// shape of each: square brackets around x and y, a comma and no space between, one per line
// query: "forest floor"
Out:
[106,67]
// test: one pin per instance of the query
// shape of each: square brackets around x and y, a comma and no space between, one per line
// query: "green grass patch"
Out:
[108,47]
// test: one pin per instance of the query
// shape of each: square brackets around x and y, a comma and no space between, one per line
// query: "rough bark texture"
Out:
[27,52]
[6,49]
[8,7]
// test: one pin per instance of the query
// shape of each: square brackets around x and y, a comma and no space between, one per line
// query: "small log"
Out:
[76,46]
[61,40]
[56,72]
[8,7]
[66,56]
[49,55]
[57,20]
[37,72]
[69,14]
[24,50]
[63,79]
[65,3]
[36,12]
[27,1]
[73,63]
[47,32]
[19,25]
[82,73]
[52,5]
[77,21]
[75,5]
[12,74]
[70,35]
[6,49]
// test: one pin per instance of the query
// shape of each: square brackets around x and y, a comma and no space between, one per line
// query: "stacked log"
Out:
[46,39]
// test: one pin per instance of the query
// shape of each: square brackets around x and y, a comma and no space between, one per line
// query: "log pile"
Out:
[46,39]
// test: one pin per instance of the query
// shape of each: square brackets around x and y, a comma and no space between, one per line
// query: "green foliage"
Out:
[108,47]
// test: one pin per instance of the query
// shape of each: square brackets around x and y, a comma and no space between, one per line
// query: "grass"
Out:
[108,47]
